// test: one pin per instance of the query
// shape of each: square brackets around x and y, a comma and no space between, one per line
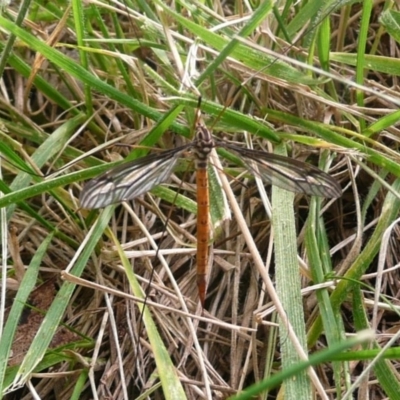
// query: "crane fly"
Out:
[133,178]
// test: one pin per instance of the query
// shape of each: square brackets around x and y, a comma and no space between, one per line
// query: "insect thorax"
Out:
[204,144]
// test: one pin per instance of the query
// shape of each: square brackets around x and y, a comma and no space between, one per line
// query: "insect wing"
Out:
[129,180]
[287,173]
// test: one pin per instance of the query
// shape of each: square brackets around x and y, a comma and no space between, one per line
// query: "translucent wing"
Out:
[130,179]
[287,173]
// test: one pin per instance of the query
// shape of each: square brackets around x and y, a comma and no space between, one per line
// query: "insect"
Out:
[133,178]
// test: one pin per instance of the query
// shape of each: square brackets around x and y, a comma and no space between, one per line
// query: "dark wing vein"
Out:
[287,173]
[130,179]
